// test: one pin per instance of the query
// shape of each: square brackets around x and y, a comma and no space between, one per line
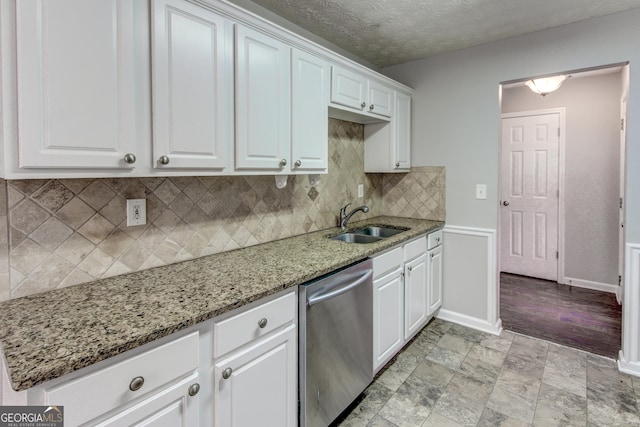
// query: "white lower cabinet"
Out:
[388,306]
[255,365]
[415,286]
[257,385]
[407,291]
[154,387]
[173,406]
[434,269]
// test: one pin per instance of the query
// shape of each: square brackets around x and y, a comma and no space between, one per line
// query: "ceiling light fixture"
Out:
[546,85]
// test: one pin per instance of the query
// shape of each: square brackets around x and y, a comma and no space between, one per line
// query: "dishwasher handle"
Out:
[340,288]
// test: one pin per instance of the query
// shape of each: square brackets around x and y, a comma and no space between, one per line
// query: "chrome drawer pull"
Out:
[194,389]
[226,374]
[262,323]
[136,383]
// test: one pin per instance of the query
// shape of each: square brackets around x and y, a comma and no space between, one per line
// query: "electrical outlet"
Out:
[360,191]
[136,212]
[481,191]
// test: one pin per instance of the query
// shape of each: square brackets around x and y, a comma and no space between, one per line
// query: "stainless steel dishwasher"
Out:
[336,342]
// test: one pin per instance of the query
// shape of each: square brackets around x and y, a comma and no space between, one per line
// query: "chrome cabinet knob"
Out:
[136,383]
[371,107]
[262,323]
[283,163]
[432,255]
[129,158]
[226,374]
[505,203]
[194,389]
[397,164]
[298,163]
[163,160]
[364,104]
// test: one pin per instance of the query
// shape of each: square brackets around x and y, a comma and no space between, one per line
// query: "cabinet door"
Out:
[401,133]
[76,84]
[348,89]
[260,387]
[434,280]
[192,71]
[170,407]
[380,99]
[415,295]
[388,317]
[309,115]
[263,101]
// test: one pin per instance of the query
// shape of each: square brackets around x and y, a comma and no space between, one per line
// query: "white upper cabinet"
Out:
[115,88]
[387,146]
[365,96]
[263,102]
[401,138]
[192,75]
[76,84]
[348,88]
[309,117]
[380,99]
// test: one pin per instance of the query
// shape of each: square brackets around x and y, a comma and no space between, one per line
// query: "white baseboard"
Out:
[588,284]
[631,368]
[471,322]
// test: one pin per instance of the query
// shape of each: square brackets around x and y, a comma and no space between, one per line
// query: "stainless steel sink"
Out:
[356,238]
[379,231]
[370,234]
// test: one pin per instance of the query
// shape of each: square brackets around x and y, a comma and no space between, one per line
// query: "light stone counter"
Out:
[47,335]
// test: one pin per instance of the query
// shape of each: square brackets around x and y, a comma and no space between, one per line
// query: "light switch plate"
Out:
[360,191]
[136,212]
[481,191]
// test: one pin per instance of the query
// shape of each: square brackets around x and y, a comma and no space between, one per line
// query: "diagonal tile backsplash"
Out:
[61,232]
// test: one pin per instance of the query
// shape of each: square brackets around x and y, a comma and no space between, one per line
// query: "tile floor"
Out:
[455,376]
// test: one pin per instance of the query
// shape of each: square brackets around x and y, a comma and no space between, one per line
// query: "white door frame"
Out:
[561,111]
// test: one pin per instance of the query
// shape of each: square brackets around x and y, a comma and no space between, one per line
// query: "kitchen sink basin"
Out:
[379,231]
[356,238]
[369,234]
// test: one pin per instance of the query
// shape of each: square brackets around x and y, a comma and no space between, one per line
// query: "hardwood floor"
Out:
[575,317]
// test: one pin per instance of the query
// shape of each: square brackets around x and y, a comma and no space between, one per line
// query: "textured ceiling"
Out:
[388,32]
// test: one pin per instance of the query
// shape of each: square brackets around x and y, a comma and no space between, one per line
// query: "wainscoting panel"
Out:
[629,359]
[470,289]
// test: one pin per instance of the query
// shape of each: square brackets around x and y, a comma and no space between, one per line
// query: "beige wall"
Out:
[63,232]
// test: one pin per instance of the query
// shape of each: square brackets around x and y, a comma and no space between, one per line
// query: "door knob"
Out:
[505,203]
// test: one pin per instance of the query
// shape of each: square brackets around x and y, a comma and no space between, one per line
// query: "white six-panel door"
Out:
[529,201]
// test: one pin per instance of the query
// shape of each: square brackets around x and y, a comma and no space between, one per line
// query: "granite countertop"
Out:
[47,335]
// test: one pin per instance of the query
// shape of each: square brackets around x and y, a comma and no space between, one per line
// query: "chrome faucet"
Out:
[345,217]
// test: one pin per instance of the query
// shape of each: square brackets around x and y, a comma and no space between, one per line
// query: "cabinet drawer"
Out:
[415,248]
[434,239]
[244,327]
[386,262]
[92,395]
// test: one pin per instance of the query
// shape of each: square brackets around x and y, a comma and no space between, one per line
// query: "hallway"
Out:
[575,317]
